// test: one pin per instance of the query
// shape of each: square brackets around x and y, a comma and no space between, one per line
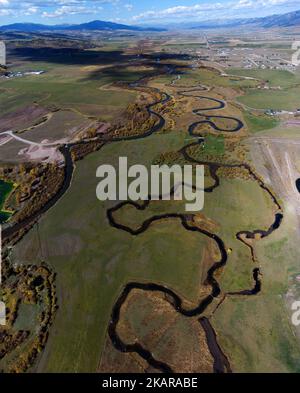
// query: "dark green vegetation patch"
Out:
[5,190]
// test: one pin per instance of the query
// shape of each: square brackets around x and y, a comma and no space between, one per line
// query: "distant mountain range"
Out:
[97,25]
[290,19]
[286,20]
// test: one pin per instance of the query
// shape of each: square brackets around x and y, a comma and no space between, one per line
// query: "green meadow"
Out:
[258,123]
[94,261]
[66,85]
[287,98]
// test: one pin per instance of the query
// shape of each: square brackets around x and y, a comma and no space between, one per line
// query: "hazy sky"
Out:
[137,11]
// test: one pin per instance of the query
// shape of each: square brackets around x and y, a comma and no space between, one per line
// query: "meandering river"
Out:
[221,363]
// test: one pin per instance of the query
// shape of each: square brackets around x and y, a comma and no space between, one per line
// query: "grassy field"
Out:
[214,79]
[285,79]
[214,145]
[62,124]
[257,332]
[27,90]
[259,123]
[209,78]
[233,207]
[280,100]
[171,337]
[285,99]
[66,85]
[93,261]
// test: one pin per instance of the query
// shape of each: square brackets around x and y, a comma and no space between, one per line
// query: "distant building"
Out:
[2,54]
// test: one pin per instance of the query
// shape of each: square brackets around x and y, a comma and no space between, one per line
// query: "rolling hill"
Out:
[96,25]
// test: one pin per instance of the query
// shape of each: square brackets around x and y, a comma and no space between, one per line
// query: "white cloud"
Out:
[129,7]
[213,9]
[52,8]
[70,10]
[31,11]
[207,9]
